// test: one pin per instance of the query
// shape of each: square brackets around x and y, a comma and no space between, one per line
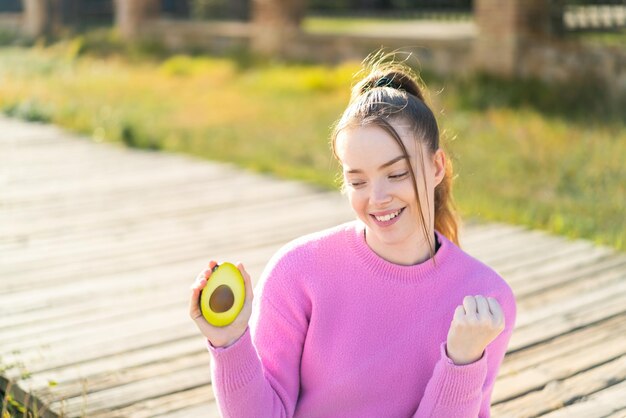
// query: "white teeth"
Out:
[387,217]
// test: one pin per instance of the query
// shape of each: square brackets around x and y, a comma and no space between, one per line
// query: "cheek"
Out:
[406,189]
[357,199]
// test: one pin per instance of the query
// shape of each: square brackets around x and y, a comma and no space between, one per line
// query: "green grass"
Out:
[615,38]
[549,157]
[10,408]
[344,24]
[347,24]
[354,24]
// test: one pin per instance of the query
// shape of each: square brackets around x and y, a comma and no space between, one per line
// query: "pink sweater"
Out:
[337,331]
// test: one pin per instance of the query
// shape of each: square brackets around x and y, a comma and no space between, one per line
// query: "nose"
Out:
[379,195]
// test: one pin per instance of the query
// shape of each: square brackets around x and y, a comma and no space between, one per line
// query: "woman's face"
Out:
[379,186]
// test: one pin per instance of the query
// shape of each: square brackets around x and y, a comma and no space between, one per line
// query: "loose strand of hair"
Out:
[387,127]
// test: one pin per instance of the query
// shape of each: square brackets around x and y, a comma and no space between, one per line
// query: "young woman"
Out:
[383,316]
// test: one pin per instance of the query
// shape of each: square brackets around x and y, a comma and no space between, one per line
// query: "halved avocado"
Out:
[223,296]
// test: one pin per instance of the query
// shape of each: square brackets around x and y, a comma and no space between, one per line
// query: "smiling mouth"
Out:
[389,216]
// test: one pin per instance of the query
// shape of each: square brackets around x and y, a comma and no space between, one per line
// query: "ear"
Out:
[439,162]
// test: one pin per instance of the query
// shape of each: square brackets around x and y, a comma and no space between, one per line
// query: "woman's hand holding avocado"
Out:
[222,334]
[476,323]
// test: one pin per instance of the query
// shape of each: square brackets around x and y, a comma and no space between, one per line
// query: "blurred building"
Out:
[513,38]
[76,12]
[10,6]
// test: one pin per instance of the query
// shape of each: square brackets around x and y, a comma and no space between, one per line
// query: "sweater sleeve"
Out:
[259,375]
[464,391]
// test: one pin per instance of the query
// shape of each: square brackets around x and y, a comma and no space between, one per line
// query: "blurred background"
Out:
[530,95]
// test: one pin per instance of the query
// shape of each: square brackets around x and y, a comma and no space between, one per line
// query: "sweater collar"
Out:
[379,266]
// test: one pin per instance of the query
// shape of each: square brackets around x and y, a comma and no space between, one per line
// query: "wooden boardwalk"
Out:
[99,244]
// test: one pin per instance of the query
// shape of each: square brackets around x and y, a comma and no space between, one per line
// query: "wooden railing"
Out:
[595,17]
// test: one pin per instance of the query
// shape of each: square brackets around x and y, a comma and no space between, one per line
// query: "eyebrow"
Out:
[387,164]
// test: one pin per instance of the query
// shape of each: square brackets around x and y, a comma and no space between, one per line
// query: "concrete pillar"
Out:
[41,17]
[131,14]
[277,23]
[505,28]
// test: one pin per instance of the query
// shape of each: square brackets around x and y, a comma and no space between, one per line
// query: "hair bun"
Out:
[387,82]
[394,77]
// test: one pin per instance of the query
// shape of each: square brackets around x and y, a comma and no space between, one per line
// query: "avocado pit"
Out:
[222,299]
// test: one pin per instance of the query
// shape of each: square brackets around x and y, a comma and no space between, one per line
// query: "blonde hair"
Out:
[390,90]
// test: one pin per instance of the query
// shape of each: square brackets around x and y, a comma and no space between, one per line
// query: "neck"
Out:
[406,254]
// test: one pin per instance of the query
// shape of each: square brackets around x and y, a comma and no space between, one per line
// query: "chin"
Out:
[387,237]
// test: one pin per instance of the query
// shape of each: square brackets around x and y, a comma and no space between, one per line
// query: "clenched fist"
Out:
[476,323]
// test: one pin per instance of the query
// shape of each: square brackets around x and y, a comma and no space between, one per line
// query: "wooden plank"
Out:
[117,186]
[90,185]
[516,262]
[125,373]
[163,233]
[175,250]
[70,378]
[206,411]
[212,207]
[199,202]
[504,246]
[128,377]
[139,238]
[162,221]
[547,278]
[197,402]
[513,249]
[542,307]
[602,398]
[138,262]
[475,236]
[62,356]
[27,159]
[128,394]
[203,191]
[534,378]
[618,413]
[94,165]
[122,337]
[540,254]
[59,338]
[91,327]
[46,347]
[573,289]
[565,322]
[17,134]
[107,304]
[559,264]
[151,194]
[169,299]
[517,362]
[122,289]
[33,146]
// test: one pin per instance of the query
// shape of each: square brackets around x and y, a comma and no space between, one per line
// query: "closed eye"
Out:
[398,176]
[355,183]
